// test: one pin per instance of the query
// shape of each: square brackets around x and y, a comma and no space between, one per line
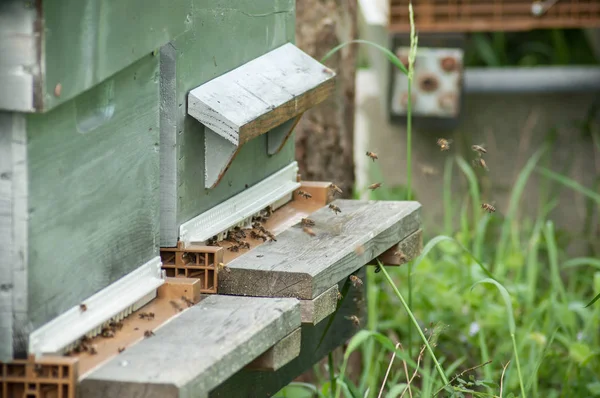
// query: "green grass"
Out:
[499,308]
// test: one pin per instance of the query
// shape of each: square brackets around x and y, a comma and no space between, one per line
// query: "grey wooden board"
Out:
[235,104]
[317,309]
[224,40]
[94,190]
[252,384]
[280,354]
[301,266]
[19,49]
[197,350]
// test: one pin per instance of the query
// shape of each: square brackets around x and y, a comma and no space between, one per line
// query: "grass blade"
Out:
[390,55]
[579,261]
[473,187]
[568,182]
[593,300]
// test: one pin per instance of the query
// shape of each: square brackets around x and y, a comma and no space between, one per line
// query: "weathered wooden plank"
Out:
[317,309]
[266,384]
[228,333]
[93,190]
[280,354]
[299,265]
[406,250]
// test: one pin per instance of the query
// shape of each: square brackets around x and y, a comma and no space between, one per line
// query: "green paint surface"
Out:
[93,189]
[222,36]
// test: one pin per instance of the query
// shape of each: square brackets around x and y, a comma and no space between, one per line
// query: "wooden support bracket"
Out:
[280,354]
[319,308]
[265,95]
[403,252]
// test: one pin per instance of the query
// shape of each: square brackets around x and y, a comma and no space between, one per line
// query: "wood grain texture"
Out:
[251,384]
[410,247]
[301,266]
[261,94]
[317,309]
[280,354]
[94,190]
[228,333]
[225,37]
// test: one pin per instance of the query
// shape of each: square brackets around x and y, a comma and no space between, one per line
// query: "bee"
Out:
[121,349]
[270,235]
[93,350]
[212,241]
[114,325]
[339,296]
[334,208]
[257,236]
[372,155]
[356,281]
[239,233]
[359,250]
[223,267]
[401,256]
[148,333]
[186,300]
[335,189]
[245,245]
[83,307]
[108,333]
[488,207]
[479,149]
[146,315]
[176,306]
[373,187]
[234,248]
[479,162]
[444,144]
[354,320]
[307,222]
[428,170]
[309,231]
[305,195]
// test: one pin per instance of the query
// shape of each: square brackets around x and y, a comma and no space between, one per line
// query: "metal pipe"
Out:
[549,79]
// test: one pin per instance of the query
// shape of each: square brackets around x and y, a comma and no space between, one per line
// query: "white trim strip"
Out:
[236,210]
[114,302]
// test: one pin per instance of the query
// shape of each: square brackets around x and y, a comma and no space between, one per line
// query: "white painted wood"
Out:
[123,296]
[19,53]
[240,208]
[197,350]
[303,266]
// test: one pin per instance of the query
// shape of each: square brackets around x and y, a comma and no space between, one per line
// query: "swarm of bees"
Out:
[356,281]
[488,207]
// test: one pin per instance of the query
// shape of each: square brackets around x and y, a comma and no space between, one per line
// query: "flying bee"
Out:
[372,155]
[479,162]
[479,149]
[335,189]
[444,144]
[223,267]
[356,281]
[401,256]
[373,187]
[307,222]
[339,296]
[334,208]
[354,320]
[148,333]
[309,231]
[186,300]
[488,207]
[305,195]
[83,307]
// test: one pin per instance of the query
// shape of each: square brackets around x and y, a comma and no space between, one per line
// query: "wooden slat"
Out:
[197,350]
[317,309]
[411,247]
[302,266]
[280,354]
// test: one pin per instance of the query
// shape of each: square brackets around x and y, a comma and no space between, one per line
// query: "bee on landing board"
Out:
[488,207]
[479,149]
[304,194]
[356,281]
[444,144]
[83,307]
[354,320]
[334,208]
[93,350]
[335,189]
[372,155]
[223,267]
[307,222]
[373,187]
[309,231]
[148,333]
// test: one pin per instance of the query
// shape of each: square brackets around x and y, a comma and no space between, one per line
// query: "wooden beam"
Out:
[321,192]
[280,354]
[317,309]
[303,266]
[407,250]
[317,342]
[197,350]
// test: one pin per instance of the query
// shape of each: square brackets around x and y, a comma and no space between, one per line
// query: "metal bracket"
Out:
[265,95]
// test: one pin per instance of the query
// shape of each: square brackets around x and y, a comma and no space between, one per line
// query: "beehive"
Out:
[492,15]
